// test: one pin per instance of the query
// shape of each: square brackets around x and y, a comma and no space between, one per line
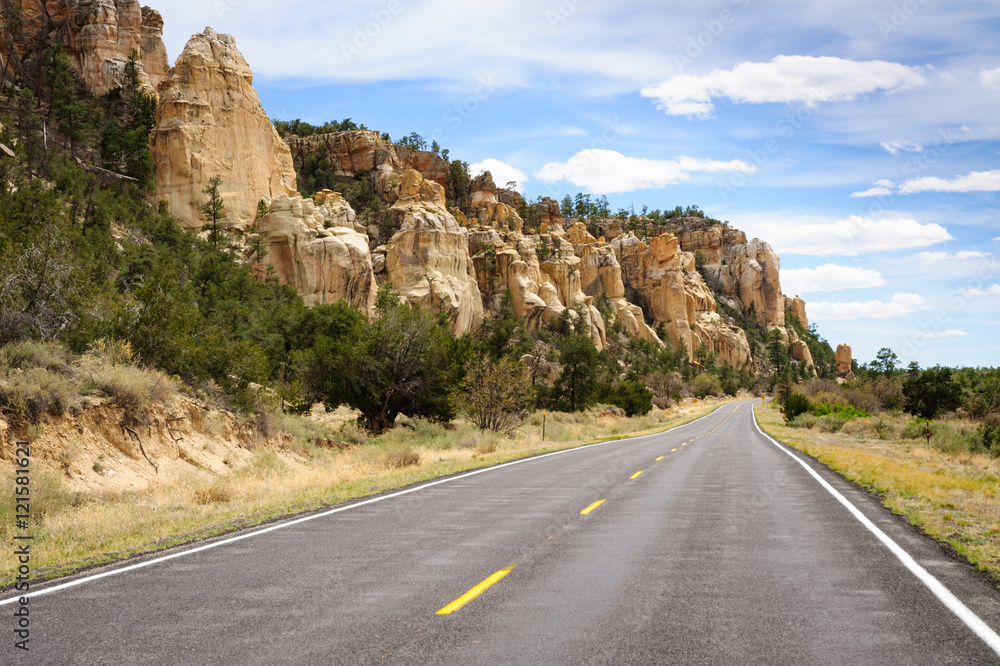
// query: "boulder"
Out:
[210,122]
[323,260]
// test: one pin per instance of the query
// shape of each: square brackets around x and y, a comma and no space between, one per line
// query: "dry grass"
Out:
[81,531]
[951,494]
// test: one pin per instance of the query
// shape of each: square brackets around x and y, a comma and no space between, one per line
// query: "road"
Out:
[724,549]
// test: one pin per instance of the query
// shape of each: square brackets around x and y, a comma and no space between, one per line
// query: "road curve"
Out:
[705,544]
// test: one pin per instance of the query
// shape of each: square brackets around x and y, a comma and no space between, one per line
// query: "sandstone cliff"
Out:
[664,277]
[349,152]
[210,121]
[428,260]
[748,271]
[99,35]
[316,250]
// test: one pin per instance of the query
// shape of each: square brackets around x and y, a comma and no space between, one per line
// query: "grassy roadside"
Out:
[76,532]
[951,496]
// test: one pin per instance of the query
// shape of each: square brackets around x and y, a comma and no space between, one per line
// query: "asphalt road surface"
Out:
[723,550]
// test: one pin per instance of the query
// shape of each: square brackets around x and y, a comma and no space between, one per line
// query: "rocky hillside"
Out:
[454,259]
[452,244]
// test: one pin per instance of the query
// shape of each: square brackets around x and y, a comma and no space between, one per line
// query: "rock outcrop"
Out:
[211,122]
[845,362]
[431,166]
[487,208]
[349,152]
[428,260]
[749,271]
[677,296]
[798,309]
[99,36]
[317,251]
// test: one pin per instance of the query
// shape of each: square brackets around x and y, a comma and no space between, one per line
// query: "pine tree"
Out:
[214,211]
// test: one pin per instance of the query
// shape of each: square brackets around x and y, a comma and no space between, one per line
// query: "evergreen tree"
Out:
[214,210]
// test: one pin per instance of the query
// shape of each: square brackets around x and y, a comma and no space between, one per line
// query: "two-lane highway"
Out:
[705,544]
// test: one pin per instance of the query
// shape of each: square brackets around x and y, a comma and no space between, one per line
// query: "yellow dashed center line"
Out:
[635,475]
[474,592]
[660,458]
[592,507]
[673,450]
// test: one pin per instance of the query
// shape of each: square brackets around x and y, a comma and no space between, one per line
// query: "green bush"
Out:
[795,404]
[846,412]
[705,384]
[631,395]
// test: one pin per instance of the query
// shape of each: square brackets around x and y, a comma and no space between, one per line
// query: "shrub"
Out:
[133,389]
[352,432]
[705,384]
[846,412]
[832,423]
[631,396]
[401,458]
[494,395]
[795,404]
[27,355]
[804,420]
[27,396]
[216,492]
[931,392]
[666,384]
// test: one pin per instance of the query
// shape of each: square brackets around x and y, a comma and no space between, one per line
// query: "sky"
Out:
[860,138]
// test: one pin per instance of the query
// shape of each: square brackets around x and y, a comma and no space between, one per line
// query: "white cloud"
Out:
[787,79]
[608,171]
[990,78]
[851,237]
[953,333]
[882,188]
[502,173]
[975,181]
[902,145]
[900,306]
[992,290]
[829,277]
[939,257]
[996,240]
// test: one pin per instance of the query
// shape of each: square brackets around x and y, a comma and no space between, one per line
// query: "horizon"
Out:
[860,142]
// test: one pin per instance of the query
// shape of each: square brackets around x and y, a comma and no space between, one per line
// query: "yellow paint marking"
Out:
[673,450]
[474,592]
[685,443]
[636,474]
[660,458]
[592,507]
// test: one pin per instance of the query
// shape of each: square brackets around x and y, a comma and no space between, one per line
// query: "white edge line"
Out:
[382,498]
[953,603]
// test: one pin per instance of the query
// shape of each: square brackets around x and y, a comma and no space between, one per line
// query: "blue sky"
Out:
[861,139]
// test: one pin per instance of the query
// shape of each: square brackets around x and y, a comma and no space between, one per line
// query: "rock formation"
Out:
[349,152]
[210,121]
[99,35]
[316,250]
[487,209]
[845,362]
[428,260]
[798,309]
[675,295]
[749,271]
